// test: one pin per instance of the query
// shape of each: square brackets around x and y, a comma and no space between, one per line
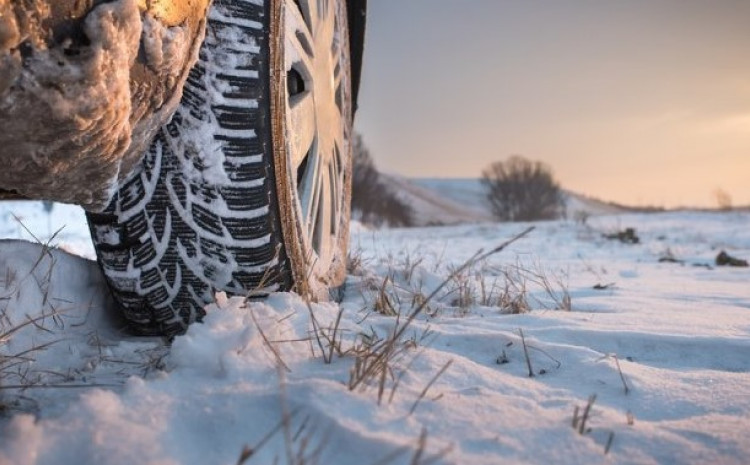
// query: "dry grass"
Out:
[300,443]
[402,286]
[304,444]
[381,360]
[376,357]
[509,289]
[9,362]
[302,448]
[625,386]
[514,296]
[582,417]
[526,353]
[329,338]
[16,371]
[522,284]
[429,385]
[383,301]
[26,333]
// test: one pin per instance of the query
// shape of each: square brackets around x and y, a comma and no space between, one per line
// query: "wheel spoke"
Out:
[323,221]
[335,122]
[314,201]
[328,23]
[310,13]
[300,50]
[337,75]
[336,199]
[307,188]
[336,39]
[302,127]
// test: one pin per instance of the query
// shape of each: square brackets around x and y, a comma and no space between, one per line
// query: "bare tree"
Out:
[723,199]
[372,199]
[522,190]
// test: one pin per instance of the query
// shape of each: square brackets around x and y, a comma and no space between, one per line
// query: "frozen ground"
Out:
[454,387]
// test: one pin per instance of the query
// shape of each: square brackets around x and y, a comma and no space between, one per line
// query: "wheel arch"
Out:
[357,18]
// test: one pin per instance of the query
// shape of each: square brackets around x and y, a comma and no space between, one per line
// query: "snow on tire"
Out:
[226,198]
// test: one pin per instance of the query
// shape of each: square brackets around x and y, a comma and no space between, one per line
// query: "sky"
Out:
[645,102]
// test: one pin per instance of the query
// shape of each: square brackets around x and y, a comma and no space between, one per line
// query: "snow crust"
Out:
[680,332]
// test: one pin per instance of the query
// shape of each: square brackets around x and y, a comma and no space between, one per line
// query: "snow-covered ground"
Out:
[663,345]
[37,222]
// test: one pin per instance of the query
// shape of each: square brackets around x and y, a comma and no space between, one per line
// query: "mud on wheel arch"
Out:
[246,188]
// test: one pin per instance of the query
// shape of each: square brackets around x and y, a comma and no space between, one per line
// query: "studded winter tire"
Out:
[246,190]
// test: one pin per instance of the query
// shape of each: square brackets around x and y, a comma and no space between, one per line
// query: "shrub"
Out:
[522,190]
[373,201]
[723,199]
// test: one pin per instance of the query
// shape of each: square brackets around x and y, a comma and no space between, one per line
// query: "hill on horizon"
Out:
[446,201]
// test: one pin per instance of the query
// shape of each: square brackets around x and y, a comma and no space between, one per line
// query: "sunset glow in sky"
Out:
[638,101]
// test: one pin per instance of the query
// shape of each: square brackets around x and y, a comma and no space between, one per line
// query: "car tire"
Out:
[246,190]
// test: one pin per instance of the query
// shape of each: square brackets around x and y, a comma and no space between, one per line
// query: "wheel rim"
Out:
[317,109]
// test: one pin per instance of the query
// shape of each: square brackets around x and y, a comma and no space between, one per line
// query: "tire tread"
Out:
[162,243]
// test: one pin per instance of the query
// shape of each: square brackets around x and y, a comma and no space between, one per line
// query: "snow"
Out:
[458,389]
[446,201]
[65,225]
[432,205]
